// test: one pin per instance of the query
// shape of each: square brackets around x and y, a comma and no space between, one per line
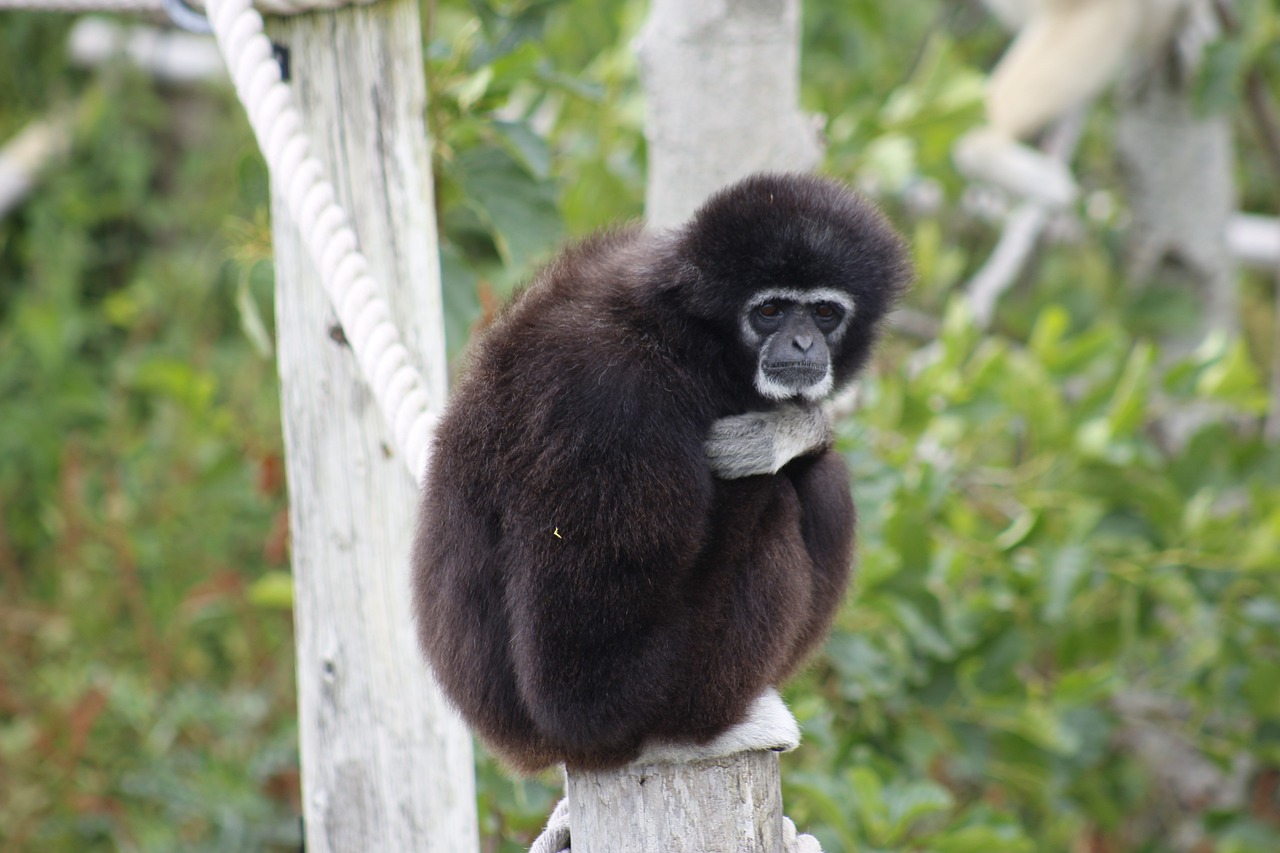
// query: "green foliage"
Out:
[1028,554]
[146,702]
[537,134]
[1033,550]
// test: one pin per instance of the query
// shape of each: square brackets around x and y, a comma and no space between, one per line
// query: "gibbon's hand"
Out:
[763,442]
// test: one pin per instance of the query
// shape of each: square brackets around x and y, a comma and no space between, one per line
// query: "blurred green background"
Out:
[1057,616]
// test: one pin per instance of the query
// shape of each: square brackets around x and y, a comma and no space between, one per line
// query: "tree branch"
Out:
[1021,232]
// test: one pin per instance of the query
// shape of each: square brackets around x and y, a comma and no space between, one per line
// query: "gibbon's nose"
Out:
[802,342]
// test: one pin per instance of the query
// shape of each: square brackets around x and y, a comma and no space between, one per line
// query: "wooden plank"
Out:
[386,765]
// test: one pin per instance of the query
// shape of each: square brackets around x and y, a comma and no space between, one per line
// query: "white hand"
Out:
[763,442]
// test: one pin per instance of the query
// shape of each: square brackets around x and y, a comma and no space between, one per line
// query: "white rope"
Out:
[364,314]
[273,7]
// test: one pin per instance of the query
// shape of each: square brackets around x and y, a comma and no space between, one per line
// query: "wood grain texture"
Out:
[725,805]
[386,764]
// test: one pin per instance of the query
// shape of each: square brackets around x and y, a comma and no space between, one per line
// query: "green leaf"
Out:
[1049,332]
[521,210]
[1017,530]
[826,799]
[1262,544]
[251,322]
[906,804]
[177,381]
[1221,72]
[510,30]
[461,299]
[1068,566]
[1234,379]
[530,148]
[468,90]
[1249,836]
[1039,723]
[865,670]
[272,591]
[981,839]
[1093,438]
[868,802]
[890,161]
[922,633]
[959,335]
[1127,411]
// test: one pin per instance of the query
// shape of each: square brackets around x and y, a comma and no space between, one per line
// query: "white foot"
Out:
[793,842]
[768,725]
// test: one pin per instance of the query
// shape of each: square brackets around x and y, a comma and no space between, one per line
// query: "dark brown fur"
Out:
[581,581]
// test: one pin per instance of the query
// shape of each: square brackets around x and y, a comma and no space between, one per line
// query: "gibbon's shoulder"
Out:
[595,292]
[588,309]
[596,269]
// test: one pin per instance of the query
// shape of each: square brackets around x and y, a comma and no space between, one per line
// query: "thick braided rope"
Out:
[364,314]
[274,7]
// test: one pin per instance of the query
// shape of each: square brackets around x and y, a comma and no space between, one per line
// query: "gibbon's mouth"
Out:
[784,380]
[797,374]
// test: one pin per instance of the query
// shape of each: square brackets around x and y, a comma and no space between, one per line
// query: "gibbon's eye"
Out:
[826,311]
[770,310]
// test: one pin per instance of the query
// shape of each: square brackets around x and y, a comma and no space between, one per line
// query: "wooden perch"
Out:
[724,805]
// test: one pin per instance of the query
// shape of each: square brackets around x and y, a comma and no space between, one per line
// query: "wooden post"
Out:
[386,765]
[726,805]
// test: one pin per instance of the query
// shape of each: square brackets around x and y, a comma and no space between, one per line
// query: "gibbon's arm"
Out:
[598,547]
[763,442]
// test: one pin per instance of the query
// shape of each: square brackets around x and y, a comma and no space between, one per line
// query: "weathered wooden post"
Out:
[724,805]
[386,765]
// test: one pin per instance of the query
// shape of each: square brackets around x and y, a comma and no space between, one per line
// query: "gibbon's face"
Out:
[794,333]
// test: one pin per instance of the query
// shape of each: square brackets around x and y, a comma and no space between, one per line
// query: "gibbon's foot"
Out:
[986,154]
[762,442]
[768,725]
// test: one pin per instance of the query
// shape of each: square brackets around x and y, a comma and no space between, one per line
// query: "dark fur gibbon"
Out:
[585,582]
